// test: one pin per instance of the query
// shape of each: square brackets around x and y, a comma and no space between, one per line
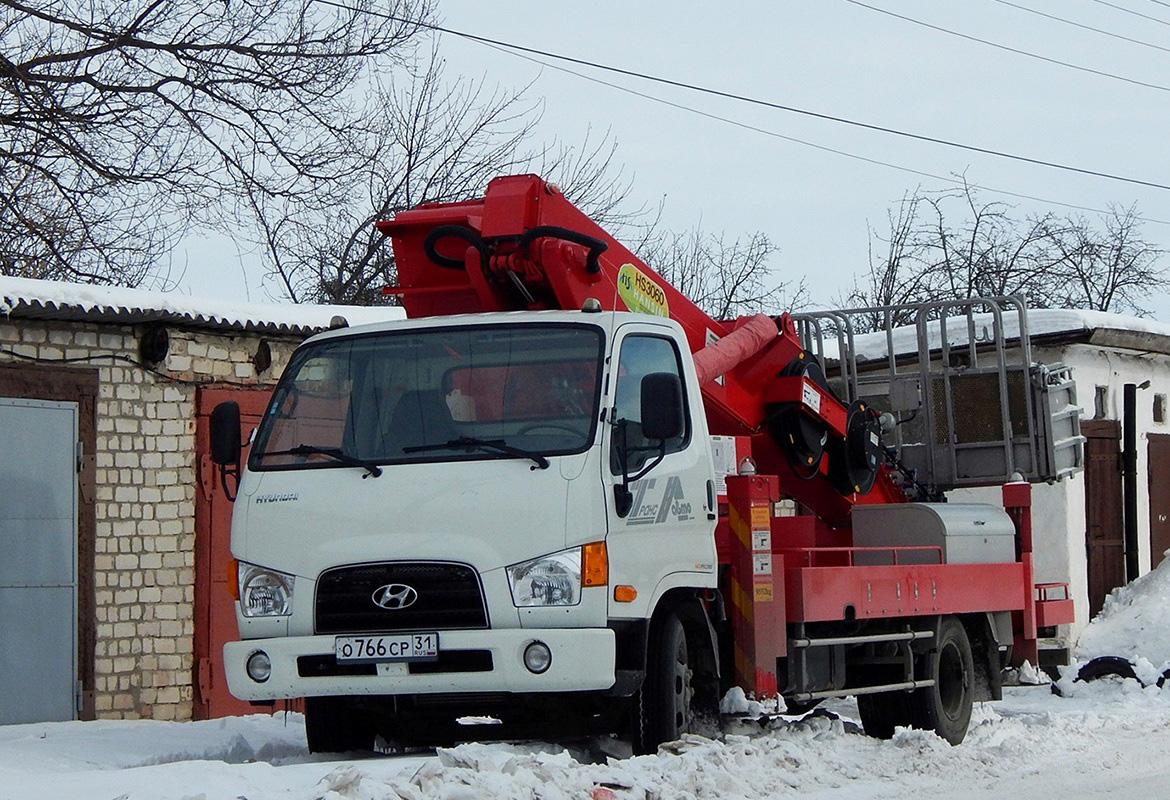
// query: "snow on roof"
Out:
[24,298]
[1048,323]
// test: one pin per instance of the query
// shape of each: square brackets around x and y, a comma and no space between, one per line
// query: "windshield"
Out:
[446,394]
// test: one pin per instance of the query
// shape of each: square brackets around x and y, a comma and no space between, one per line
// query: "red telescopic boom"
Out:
[523,246]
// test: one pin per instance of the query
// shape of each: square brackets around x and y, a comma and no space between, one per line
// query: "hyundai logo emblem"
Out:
[394,596]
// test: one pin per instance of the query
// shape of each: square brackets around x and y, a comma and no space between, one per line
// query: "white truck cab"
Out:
[469,512]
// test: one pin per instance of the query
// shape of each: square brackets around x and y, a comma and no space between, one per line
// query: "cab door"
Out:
[666,539]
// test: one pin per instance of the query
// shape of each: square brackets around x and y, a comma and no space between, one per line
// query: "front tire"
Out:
[663,709]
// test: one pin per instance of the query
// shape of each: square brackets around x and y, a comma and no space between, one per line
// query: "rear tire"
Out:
[663,709]
[945,707]
[335,725]
[882,713]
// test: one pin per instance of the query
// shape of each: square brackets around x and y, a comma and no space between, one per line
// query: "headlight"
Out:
[264,592]
[553,580]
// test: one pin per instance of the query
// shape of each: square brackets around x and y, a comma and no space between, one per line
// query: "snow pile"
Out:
[1134,623]
[819,756]
[107,744]
[1033,743]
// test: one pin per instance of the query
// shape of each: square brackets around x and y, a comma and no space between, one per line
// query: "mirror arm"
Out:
[623,497]
[234,471]
[658,460]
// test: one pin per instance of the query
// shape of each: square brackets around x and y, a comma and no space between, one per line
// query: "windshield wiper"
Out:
[470,442]
[332,452]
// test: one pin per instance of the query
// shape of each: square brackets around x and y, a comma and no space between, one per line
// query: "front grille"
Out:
[449,598]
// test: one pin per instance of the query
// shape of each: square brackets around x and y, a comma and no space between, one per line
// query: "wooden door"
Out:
[1158,475]
[1104,535]
[215,614]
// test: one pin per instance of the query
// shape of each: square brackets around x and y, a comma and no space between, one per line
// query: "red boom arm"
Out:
[524,246]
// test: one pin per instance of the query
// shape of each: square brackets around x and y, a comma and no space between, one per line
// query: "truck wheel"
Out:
[945,708]
[882,713]
[333,725]
[663,708]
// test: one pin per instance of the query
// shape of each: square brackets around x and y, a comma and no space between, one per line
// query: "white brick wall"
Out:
[144,499]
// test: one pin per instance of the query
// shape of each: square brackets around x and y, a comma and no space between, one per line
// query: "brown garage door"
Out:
[1105,543]
[1158,474]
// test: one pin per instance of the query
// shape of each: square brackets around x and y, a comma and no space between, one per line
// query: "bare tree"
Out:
[125,123]
[725,279]
[1056,261]
[435,141]
[1108,270]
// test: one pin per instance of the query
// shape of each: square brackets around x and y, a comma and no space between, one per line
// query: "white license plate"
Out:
[391,647]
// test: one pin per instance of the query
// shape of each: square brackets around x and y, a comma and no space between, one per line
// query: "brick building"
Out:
[101,396]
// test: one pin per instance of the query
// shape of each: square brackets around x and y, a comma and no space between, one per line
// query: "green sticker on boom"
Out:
[640,293]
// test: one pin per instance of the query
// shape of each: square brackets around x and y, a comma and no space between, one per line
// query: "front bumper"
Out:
[582,660]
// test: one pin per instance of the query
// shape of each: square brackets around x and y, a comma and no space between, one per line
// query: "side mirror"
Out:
[662,406]
[225,443]
[225,434]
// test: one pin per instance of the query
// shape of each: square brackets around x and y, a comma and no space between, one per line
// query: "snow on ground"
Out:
[1111,737]
[1108,738]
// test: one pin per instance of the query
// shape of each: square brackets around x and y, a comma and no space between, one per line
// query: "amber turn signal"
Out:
[594,564]
[625,594]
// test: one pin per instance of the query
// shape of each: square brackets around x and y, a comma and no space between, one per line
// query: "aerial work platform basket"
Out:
[967,403]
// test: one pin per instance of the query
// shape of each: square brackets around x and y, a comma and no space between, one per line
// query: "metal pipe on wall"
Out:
[1129,477]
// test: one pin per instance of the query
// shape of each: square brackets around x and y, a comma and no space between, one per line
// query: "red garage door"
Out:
[215,616]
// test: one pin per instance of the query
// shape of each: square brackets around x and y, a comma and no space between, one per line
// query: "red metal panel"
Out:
[215,616]
[817,594]
[1054,612]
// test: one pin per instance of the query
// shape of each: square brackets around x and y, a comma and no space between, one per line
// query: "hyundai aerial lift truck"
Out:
[561,497]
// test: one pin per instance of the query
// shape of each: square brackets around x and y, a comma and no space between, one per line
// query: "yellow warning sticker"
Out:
[763,593]
[761,518]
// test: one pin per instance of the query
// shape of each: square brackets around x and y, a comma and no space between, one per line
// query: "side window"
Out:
[639,357]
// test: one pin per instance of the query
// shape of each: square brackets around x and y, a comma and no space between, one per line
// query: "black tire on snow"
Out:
[663,709]
[882,713]
[945,707]
[1106,667]
[333,725]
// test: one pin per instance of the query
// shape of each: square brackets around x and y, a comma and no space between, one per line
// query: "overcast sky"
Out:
[838,58]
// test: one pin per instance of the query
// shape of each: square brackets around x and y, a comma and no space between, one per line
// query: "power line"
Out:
[764,103]
[1084,27]
[1017,51]
[1135,13]
[774,134]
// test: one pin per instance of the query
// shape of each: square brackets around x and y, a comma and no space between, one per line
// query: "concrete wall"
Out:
[144,496]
